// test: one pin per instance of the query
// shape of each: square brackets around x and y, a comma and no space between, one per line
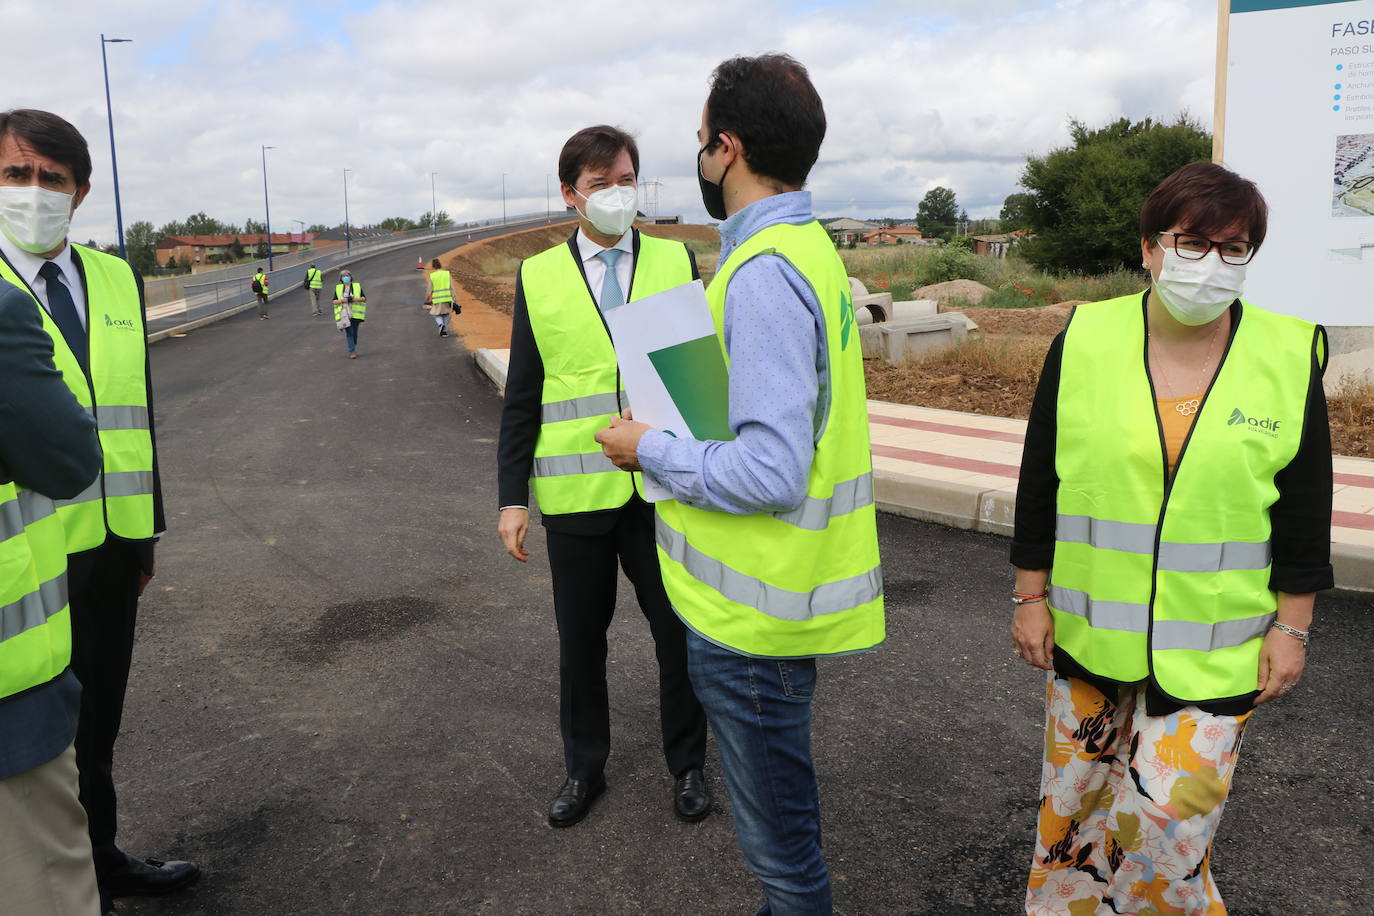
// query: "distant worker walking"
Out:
[350,309]
[260,286]
[314,280]
[440,297]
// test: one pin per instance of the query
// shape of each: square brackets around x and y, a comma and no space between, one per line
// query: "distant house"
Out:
[895,235]
[844,229]
[201,250]
[995,246]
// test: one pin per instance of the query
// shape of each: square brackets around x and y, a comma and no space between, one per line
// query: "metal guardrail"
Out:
[202,299]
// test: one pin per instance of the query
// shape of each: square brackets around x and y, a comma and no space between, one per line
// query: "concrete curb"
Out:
[979,508]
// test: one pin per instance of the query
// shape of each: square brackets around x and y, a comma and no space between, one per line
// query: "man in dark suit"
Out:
[563,386]
[91,305]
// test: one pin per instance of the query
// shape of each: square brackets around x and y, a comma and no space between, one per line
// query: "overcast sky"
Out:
[917,94]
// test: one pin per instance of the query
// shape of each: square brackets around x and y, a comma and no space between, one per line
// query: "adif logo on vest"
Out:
[1266,426]
[126,324]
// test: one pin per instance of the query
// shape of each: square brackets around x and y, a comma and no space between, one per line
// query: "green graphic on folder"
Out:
[695,375]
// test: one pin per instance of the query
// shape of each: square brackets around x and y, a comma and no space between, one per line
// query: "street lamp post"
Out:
[267,209]
[503,198]
[348,234]
[109,112]
[433,206]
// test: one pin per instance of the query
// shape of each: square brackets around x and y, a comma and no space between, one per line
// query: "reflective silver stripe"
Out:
[89,494]
[1206,637]
[815,514]
[129,483]
[1129,537]
[1102,615]
[829,598]
[561,465]
[116,417]
[593,405]
[1174,556]
[34,609]
[26,508]
[1213,557]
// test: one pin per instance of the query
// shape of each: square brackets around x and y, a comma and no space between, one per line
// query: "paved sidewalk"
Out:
[960,469]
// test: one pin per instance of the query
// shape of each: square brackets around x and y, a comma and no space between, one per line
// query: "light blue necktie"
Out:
[611,294]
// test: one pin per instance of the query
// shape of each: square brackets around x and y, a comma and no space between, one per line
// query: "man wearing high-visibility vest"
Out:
[261,286]
[91,305]
[770,547]
[48,450]
[440,296]
[562,386]
[314,281]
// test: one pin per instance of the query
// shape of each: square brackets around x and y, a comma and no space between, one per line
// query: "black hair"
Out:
[594,147]
[771,105]
[50,136]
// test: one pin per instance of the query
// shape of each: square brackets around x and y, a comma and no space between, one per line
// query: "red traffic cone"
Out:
[469,236]
[419,263]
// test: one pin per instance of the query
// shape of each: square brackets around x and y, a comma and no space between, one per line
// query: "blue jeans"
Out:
[760,713]
[351,335]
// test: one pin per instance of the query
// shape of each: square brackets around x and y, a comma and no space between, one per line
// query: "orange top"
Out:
[1176,415]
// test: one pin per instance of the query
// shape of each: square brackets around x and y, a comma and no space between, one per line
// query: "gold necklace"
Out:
[1192,405]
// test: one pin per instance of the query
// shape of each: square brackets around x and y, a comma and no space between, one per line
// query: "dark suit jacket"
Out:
[520,414]
[48,443]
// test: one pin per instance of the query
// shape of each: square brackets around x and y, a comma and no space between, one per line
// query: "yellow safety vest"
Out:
[440,287]
[35,621]
[357,308]
[581,375]
[314,277]
[1170,579]
[806,582]
[120,500]
[261,279]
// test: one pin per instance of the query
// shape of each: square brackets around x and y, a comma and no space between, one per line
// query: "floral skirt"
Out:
[1129,805]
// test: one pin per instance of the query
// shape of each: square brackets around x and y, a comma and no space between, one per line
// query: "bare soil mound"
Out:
[963,290]
[1045,321]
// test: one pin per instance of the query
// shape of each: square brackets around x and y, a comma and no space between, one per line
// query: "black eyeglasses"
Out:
[1195,247]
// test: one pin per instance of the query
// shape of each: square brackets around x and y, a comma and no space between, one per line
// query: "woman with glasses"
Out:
[1172,526]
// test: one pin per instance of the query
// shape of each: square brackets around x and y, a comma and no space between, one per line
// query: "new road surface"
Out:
[344,696]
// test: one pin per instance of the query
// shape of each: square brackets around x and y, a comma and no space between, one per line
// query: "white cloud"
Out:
[917,94]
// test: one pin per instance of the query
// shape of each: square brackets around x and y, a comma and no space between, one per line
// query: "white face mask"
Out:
[1197,292]
[35,218]
[612,210]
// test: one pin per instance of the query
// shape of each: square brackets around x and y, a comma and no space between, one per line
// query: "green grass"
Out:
[899,269]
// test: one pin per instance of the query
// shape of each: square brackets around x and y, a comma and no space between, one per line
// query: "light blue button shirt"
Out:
[778,376]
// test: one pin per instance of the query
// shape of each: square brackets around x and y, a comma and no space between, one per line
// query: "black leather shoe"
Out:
[574,800]
[691,800]
[128,876]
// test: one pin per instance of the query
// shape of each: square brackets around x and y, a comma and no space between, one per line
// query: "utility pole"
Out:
[109,112]
[348,235]
[433,206]
[267,208]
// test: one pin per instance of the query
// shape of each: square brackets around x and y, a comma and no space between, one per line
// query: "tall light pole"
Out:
[267,209]
[348,235]
[109,112]
[503,198]
[433,206]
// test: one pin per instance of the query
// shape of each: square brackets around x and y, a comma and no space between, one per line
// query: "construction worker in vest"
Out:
[350,309]
[1173,522]
[440,296]
[48,450]
[769,547]
[314,281]
[260,286]
[562,386]
[91,305]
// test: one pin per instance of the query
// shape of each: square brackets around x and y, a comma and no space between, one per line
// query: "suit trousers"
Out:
[584,595]
[104,605]
[45,857]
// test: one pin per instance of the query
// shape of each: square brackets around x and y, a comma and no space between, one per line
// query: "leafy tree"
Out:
[1016,211]
[1085,203]
[236,252]
[140,241]
[251,226]
[318,228]
[937,213]
[398,224]
[443,220]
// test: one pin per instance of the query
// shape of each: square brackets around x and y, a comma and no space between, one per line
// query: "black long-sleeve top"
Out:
[1300,519]
[520,413]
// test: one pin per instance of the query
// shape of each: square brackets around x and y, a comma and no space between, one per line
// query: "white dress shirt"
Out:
[596,268]
[27,266]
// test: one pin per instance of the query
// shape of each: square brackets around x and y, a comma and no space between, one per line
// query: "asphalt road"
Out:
[344,696]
